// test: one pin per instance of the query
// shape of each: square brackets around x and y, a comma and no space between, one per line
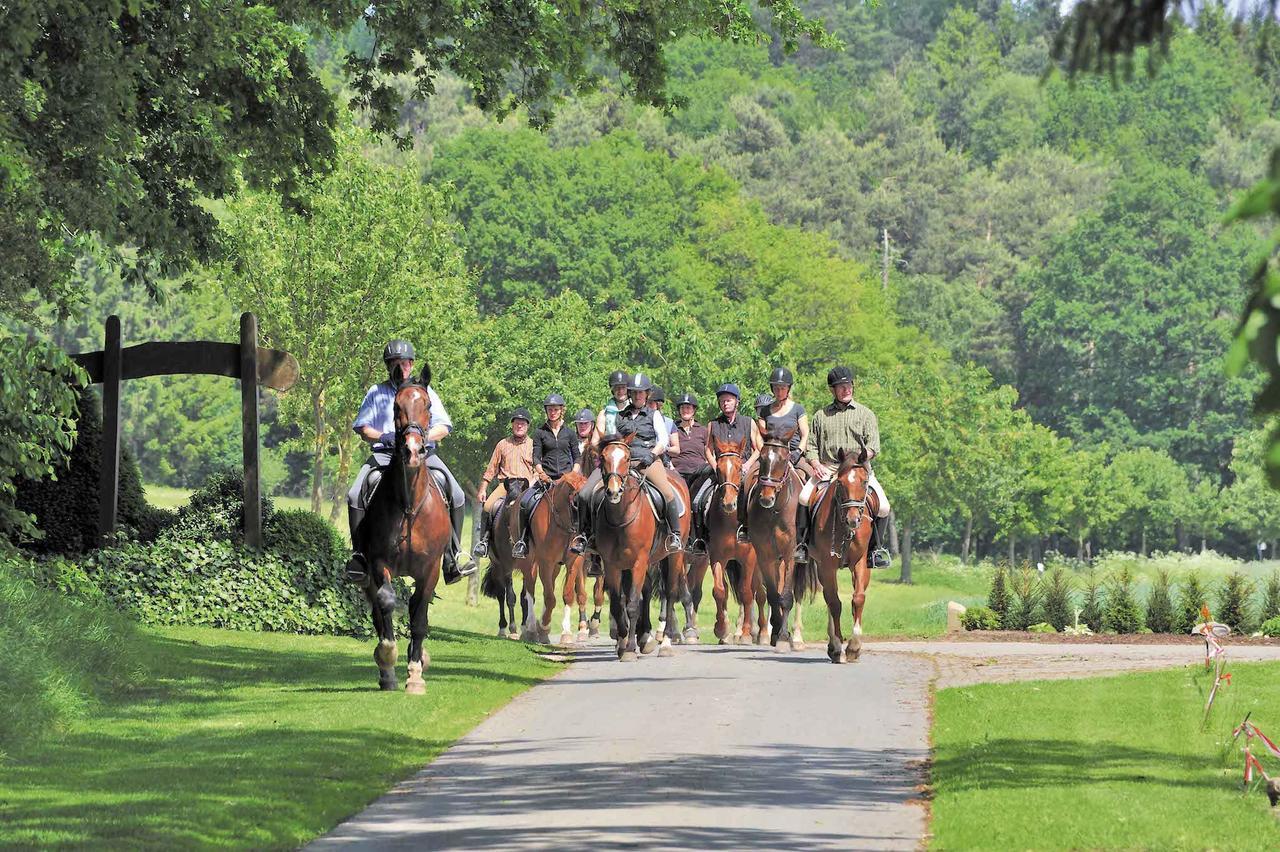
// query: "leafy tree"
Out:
[1270,598]
[1092,608]
[998,597]
[1160,612]
[1027,597]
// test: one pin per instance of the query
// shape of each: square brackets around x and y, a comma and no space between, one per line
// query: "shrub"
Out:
[303,535]
[216,511]
[1091,609]
[980,618]
[1271,627]
[1056,598]
[1160,612]
[65,508]
[58,654]
[1043,627]
[1271,598]
[998,597]
[1121,612]
[1233,607]
[1026,600]
[1193,597]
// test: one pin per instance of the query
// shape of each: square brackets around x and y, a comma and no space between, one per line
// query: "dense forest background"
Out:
[1031,275]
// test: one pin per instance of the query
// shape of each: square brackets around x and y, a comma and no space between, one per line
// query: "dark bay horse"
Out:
[771,525]
[628,543]
[841,532]
[550,529]
[404,534]
[503,566]
[729,558]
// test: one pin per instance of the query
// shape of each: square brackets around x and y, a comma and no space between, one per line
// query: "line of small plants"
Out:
[1055,601]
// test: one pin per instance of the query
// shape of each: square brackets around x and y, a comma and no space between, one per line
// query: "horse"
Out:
[691,594]
[499,577]
[725,554]
[498,584]
[628,543]
[404,534]
[575,589]
[771,525]
[842,517]
[550,530]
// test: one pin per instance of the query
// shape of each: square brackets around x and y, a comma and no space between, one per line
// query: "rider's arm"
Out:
[370,419]
[873,436]
[441,424]
[803,425]
[673,445]
[490,472]
[660,427]
[757,443]
[595,438]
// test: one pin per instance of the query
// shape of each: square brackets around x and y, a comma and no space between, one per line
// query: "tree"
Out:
[375,258]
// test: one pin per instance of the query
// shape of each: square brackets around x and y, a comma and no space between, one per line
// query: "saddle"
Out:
[657,504]
[374,479]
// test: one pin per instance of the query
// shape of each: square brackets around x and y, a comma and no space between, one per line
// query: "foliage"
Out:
[1056,598]
[998,598]
[1042,627]
[1027,595]
[1122,614]
[1092,607]
[1271,627]
[1160,611]
[215,511]
[980,618]
[56,688]
[1233,606]
[1193,597]
[1270,598]
[304,536]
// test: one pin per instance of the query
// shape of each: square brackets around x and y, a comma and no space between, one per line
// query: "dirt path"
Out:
[715,748]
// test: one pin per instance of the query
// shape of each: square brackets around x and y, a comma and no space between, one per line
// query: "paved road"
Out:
[719,747]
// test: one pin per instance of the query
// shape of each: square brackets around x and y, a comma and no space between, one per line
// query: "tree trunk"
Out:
[317,456]
[893,533]
[1013,549]
[1204,544]
[1079,541]
[1142,549]
[964,542]
[1180,535]
[906,553]
[340,480]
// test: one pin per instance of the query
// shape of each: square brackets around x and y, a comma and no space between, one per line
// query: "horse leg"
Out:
[418,656]
[547,577]
[720,592]
[620,616]
[675,576]
[638,615]
[835,639]
[692,598]
[598,603]
[386,652]
[861,579]
[761,631]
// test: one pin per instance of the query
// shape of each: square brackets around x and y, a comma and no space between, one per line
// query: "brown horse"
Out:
[726,555]
[575,589]
[498,582]
[842,517]
[405,534]
[550,529]
[771,525]
[628,543]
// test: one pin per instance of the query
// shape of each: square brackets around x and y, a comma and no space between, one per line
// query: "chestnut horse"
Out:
[842,517]
[725,554]
[550,529]
[771,524]
[575,589]
[404,534]
[628,543]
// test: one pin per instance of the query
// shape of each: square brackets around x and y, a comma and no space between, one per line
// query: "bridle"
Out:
[410,511]
[724,484]
[846,504]
[629,479]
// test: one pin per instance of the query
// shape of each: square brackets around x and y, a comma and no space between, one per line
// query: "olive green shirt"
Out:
[838,427]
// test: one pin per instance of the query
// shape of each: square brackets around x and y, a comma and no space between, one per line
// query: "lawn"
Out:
[251,740]
[1103,763]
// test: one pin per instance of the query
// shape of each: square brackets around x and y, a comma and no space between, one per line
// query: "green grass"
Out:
[249,740]
[1103,763]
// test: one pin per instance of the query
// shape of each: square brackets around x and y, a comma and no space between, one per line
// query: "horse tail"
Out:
[659,579]
[733,576]
[492,585]
[806,581]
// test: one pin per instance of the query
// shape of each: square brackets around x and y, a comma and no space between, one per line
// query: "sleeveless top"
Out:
[731,434]
[779,423]
[611,410]
[639,422]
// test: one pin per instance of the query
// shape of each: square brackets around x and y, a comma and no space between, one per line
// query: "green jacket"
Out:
[837,427]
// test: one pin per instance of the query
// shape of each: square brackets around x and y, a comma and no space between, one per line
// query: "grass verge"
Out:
[249,740]
[1102,763]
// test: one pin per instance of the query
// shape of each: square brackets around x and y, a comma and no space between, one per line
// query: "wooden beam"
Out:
[109,474]
[276,369]
[249,418]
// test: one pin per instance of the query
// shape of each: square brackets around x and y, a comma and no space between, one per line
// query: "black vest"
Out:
[639,422]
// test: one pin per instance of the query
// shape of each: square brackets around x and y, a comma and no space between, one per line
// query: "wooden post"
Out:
[249,419]
[109,474]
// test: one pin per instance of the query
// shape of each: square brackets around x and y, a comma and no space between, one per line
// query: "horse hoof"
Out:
[583,636]
[593,632]
[566,638]
[834,654]
[665,650]
[416,687]
[502,634]
[649,644]
[387,684]
[514,637]
[691,635]
[627,657]
[762,639]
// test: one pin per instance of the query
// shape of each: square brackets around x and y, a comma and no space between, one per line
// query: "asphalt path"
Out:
[716,747]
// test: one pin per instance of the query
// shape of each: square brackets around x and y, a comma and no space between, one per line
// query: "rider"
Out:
[690,460]
[376,423]
[839,426]
[782,414]
[647,447]
[607,421]
[555,453]
[585,424]
[656,400]
[511,463]
[606,424]
[763,401]
[731,428]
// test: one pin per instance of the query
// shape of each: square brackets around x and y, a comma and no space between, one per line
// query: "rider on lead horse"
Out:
[846,425]
[376,423]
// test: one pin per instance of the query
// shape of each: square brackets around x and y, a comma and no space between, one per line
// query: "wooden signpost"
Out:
[245,361]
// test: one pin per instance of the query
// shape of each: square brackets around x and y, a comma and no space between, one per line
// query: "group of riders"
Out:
[523,465]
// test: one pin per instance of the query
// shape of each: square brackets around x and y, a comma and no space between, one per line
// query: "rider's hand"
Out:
[825,472]
[483,494]
[542,476]
[387,439]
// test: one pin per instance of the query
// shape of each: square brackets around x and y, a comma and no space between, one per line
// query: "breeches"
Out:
[656,473]
[811,488]
[370,474]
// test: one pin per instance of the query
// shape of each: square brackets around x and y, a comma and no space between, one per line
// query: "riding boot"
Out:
[802,533]
[582,541]
[879,535]
[456,564]
[357,569]
[673,526]
[741,533]
[480,539]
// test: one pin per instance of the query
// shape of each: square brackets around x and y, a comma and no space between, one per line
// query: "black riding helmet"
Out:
[839,375]
[619,377]
[729,388]
[553,399]
[687,398]
[657,394]
[586,415]
[763,401]
[521,414]
[396,350]
[639,382]
[781,376]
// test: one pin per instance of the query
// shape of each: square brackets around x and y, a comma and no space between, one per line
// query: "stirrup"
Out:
[579,543]
[520,549]
[356,570]
[880,558]
[674,545]
[480,549]
[741,535]
[801,554]
[594,568]
[698,546]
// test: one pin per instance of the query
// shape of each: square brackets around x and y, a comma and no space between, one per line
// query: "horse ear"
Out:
[425,379]
[840,455]
[786,439]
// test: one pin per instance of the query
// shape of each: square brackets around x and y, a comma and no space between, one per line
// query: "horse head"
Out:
[413,418]
[775,466]
[852,478]
[615,465]
[728,471]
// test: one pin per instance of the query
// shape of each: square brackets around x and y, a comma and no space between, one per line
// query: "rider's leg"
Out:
[879,525]
[744,496]
[456,564]
[520,547]
[484,533]
[583,514]
[657,474]
[357,500]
